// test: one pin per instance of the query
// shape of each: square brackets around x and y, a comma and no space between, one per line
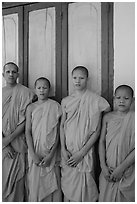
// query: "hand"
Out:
[116,174]
[107,173]
[5,141]
[75,159]
[66,154]
[36,159]
[10,152]
[45,161]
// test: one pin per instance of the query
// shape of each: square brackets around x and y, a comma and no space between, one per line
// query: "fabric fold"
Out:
[120,142]
[42,181]
[14,104]
[83,113]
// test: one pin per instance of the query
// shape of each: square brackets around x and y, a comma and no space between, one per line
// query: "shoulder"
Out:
[101,102]
[108,116]
[25,89]
[96,96]
[55,106]
[31,107]
[54,103]
[26,92]
[4,88]
[65,100]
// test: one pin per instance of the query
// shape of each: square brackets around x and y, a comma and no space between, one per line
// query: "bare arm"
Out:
[8,139]
[62,133]
[78,156]
[47,159]
[66,154]
[52,152]
[102,145]
[119,171]
[85,149]
[128,161]
[102,150]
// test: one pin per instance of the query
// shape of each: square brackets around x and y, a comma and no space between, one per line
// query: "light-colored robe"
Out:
[14,104]
[42,181]
[120,142]
[83,114]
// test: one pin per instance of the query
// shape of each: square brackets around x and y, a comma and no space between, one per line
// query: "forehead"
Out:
[11,67]
[123,91]
[79,72]
[42,82]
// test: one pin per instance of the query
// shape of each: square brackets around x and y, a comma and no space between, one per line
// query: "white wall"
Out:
[124,44]
[84,41]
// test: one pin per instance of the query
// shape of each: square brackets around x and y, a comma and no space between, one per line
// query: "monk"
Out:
[117,150]
[79,130]
[15,99]
[42,138]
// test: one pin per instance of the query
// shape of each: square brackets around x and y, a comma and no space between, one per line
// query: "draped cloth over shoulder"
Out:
[83,114]
[14,104]
[120,142]
[42,181]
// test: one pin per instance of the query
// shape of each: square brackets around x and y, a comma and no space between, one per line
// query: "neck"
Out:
[122,113]
[80,92]
[42,101]
[11,85]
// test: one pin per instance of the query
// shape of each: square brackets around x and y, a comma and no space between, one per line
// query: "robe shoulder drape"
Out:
[120,142]
[42,181]
[14,104]
[83,114]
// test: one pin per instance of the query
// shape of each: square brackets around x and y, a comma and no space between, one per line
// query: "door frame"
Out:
[27,9]
[19,11]
[107,50]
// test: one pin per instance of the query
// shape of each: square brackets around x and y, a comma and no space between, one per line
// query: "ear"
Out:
[132,107]
[3,74]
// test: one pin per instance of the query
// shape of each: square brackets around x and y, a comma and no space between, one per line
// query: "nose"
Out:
[11,74]
[41,89]
[122,101]
[78,80]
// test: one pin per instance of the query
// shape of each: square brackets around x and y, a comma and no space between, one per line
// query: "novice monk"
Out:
[117,150]
[15,99]
[42,139]
[79,131]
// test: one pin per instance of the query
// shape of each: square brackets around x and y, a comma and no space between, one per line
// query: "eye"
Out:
[117,97]
[126,98]
[74,77]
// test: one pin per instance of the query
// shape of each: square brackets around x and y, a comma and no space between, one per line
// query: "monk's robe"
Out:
[42,180]
[14,104]
[83,113]
[120,142]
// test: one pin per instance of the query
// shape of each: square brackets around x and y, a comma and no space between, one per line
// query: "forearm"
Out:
[18,131]
[102,154]
[52,151]
[90,143]
[30,143]
[62,138]
[130,159]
